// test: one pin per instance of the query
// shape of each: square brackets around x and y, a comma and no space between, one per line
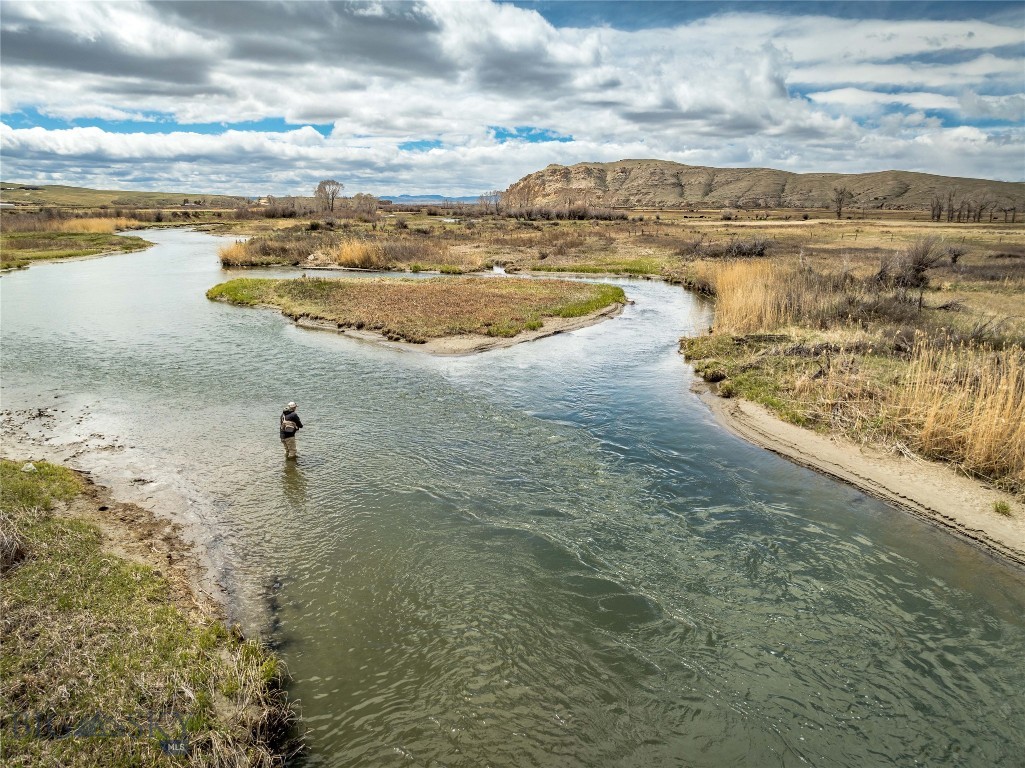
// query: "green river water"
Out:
[548,555]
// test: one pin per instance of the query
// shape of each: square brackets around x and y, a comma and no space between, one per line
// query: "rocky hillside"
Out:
[660,183]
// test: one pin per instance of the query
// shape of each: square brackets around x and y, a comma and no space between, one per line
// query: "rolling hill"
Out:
[80,197]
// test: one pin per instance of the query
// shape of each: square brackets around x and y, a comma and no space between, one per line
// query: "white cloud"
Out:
[859,98]
[720,90]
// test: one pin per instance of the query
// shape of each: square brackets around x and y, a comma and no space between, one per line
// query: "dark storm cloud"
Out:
[28,42]
[520,72]
[387,38]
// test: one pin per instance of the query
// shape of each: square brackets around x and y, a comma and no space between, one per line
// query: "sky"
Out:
[457,98]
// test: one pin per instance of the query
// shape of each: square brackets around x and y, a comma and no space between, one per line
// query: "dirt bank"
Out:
[929,490]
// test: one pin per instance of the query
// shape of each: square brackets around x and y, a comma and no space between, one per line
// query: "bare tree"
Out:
[841,196]
[936,207]
[365,205]
[490,201]
[328,191]
[494,198]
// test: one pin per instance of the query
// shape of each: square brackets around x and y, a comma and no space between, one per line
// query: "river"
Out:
[547,555]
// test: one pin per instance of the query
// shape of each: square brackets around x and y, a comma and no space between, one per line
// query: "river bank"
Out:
[928,490]
[111,650]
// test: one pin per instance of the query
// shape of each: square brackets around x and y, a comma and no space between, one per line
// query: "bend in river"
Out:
[544,555]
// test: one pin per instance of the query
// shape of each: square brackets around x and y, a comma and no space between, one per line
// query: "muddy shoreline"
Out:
[463,344]
[139,508]
[471,343]
[930,491]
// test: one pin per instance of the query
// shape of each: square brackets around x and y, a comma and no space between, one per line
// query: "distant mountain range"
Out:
[428,199]
[664,184]
[20,194]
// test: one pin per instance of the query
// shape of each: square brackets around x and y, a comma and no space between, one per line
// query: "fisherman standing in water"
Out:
[290,424]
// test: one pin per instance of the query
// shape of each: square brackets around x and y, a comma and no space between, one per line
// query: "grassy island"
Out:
[28,239]
[109,660]
[419,310]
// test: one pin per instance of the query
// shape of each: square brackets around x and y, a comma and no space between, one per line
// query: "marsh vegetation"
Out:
[418,310]
[920,349]
[28,238]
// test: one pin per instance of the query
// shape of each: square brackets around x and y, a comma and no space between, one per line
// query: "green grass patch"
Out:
[638,266]
[83,197]
[417,310]
[19,249]
[784,374]
[100,666]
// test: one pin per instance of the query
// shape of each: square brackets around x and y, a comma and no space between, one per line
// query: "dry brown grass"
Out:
[879,353]
[417,310]
[282,248]
[91,225]
[967,405]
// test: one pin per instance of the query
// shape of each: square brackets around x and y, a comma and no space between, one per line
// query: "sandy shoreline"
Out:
[928,490]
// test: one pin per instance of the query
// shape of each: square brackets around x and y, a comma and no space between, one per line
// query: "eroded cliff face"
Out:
[660,183]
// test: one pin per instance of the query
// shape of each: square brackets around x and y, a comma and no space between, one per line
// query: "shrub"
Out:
[907,268]
[360,254]
[289,247]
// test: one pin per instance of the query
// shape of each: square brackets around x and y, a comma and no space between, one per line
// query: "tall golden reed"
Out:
[92,225]
[967,405]
[746,295]
[234,254]
[761,295]
[361,255]
[964,404]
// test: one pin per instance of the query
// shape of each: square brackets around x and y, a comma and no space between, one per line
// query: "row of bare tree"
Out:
[962,208]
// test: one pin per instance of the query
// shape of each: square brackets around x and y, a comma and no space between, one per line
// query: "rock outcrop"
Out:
[664,184]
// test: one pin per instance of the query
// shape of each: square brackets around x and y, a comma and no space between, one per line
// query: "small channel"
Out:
[547,555]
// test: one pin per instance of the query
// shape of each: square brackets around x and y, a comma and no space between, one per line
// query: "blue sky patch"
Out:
[527,133]
[656,14]
[420,146]
[152,122]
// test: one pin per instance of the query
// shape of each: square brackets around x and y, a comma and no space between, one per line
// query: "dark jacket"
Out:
[293,417]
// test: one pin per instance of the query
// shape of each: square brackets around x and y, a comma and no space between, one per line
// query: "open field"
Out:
[107,660]
[81,197]
[653,243]
[418,310]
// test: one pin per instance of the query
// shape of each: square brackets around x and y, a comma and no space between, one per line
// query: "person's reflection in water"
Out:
[293,481]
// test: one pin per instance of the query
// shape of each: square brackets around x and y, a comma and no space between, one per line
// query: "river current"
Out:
[547,555]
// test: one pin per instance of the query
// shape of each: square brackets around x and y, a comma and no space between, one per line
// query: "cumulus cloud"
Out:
[413,91]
